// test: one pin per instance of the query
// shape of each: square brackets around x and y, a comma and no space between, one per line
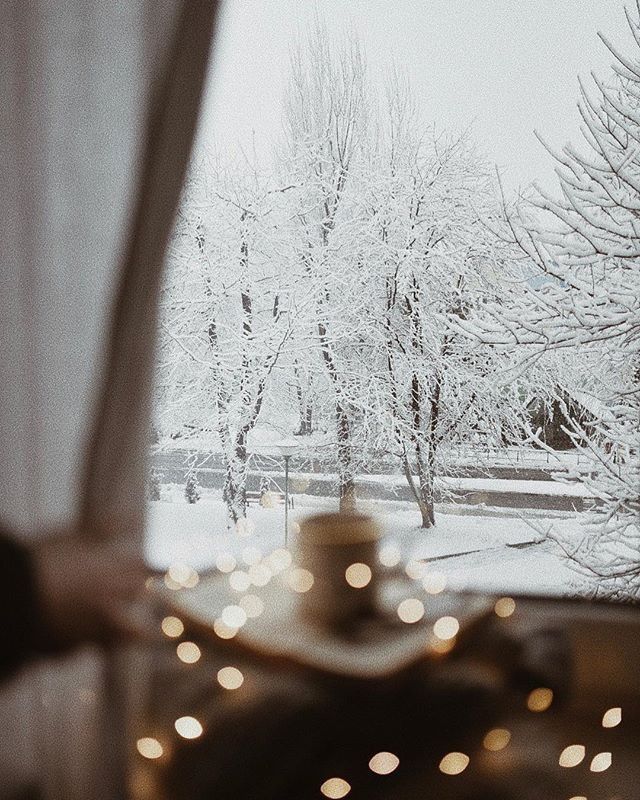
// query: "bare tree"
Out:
[584,300]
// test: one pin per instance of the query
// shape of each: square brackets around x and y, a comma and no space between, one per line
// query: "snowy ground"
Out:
[491,550]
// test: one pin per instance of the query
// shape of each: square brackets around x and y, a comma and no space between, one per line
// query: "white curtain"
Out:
[98,102]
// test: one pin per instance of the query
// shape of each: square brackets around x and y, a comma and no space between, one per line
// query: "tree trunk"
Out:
[346,478]
[234,492]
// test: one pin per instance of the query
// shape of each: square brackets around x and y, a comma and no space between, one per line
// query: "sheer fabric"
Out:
[98,105]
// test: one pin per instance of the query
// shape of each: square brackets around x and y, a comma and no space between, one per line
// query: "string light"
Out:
[572,755]
[540,699]
[188,652]
[300,580]
[446,628]
[335,788]
[416,569]
[612,717]
[505,607]
[260,574]
[434,582]
[149,747]
[411,610]
[233,616]
[496,739]
[239,581]
[188,727]
[389,555]
[225,562]
[358,575]
[601,762]
[172,627]
[222,630]
[384,763]
[279,559]
[454,763]
[230,678]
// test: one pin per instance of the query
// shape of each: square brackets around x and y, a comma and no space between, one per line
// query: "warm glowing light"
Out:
[411,610]
[239,581]
[260,574]
[446,628]
[233,616]
[358,575]
[188,727]
[181,576]
[230,678]
[454,763]
[496,739]
[572,755]
[578,797]
[179,572]
[279,559]
[389,555]
[434,582]
[252,605]
[384,763]
[335,788]
[251,556]
[540,699]
[172,627]
[441,646]
[222,630]
[225,562]
[188,652]
[192,581]
[601,762]
[416,569]
[171,584]
[149,747]
[300,580]
[505,607]
[612,717]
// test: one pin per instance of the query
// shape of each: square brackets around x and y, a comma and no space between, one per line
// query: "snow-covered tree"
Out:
[435,258]
[324,127]
[584,300]
[225,318]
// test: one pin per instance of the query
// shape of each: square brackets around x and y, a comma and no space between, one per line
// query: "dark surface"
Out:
[282,734]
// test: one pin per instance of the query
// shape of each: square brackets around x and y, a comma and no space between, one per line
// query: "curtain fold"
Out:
[98,107]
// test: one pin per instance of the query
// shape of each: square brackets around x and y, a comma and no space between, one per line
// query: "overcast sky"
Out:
[506,66]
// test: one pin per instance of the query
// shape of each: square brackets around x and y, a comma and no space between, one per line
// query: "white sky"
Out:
[507,66]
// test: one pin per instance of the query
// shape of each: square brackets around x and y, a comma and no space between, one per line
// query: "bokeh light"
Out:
[172,627]
[335,788]
[540,699]
[446,628]
[358,575]
[601,762]
[188,652]
[612,717]
[572,755]
[149,747]
[411,610]
[300,580]
[384,763]
[505,607]
[496,739]
[454,763]
[230,678]
[188,727]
